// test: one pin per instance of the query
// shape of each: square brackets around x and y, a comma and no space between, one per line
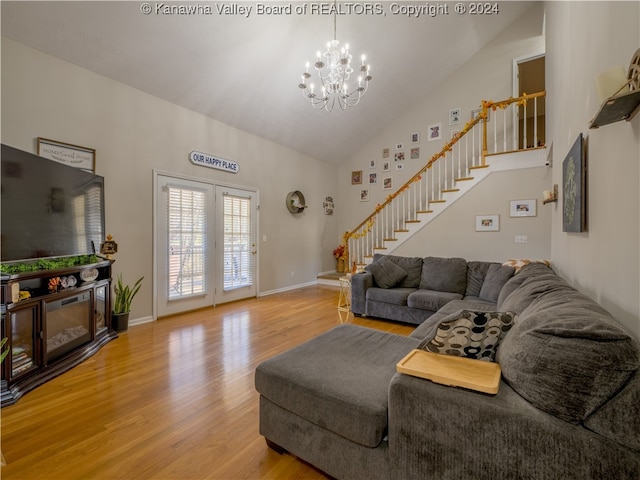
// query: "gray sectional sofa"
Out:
[568,406]
[411,289]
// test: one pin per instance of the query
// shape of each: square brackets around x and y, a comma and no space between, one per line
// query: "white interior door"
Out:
[185,239]
[236,245]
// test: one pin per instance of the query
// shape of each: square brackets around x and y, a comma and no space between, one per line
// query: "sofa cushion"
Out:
[476,272]
[386,273]
[470,334]
[497,276]
[444,275]
[338,380]
[619,418]
[528,271]
[412,265]
[394,296]
[566,355]
[430,299]
[530,289]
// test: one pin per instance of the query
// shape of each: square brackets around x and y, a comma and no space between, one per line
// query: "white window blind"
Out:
[238,242]
[187,229]
[87,209]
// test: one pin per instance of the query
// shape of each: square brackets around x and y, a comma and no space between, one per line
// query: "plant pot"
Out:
[120,321]
[340,265]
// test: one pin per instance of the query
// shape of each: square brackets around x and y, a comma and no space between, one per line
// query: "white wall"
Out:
[135,133]
[452,234]
[487,76]
[583,40]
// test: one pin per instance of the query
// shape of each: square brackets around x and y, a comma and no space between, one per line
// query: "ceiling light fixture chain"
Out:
[334,69]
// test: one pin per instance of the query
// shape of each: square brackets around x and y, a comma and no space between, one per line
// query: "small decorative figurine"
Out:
[108,247]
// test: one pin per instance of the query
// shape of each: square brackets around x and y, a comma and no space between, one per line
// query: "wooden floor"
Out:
[173,399]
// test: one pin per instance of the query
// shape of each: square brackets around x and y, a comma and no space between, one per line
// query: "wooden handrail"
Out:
[482,117]
[347,235]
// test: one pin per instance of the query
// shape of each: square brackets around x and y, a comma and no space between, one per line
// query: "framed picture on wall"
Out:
[356,177]
[487,223]
[435,132]
[522,208]
[574,204]
[387,183]
[364,195]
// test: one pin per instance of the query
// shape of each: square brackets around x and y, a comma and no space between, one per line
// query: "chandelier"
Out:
[334,69]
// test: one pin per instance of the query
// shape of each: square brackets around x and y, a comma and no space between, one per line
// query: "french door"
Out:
[206,249]
[236,250]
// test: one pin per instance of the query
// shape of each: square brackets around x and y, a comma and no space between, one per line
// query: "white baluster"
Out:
[524,127]
[535,122]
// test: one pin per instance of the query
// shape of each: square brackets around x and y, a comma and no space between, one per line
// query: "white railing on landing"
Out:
[512,125]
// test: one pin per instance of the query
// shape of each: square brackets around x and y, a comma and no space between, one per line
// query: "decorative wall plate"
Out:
[89,274]
[295,202]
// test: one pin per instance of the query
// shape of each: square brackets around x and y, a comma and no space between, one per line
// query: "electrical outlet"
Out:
[521,239]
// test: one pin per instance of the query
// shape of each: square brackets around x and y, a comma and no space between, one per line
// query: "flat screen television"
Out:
[48,209]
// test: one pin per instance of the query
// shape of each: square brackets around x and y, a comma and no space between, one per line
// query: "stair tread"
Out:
[451,190]
[479,166]
[437,201]
[463,179]
[424,211]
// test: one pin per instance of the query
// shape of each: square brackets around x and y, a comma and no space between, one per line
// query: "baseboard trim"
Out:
[141,320]
[286,289]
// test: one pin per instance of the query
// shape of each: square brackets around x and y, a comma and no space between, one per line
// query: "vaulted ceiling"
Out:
[244,70]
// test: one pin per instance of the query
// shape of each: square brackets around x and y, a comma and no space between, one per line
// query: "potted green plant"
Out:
[122,303]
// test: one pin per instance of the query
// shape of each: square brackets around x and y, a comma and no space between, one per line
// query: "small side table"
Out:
[344,298]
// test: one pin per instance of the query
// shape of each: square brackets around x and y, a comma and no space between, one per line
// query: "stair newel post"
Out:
[346,238]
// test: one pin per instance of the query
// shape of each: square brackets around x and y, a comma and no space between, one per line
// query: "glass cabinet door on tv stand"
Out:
[24,356]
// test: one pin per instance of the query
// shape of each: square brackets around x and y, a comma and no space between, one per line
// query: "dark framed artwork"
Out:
[574,186]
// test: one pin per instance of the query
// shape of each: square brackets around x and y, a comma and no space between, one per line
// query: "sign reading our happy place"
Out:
[205,160]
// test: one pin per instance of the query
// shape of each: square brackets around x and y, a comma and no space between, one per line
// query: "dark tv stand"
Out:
[55,329]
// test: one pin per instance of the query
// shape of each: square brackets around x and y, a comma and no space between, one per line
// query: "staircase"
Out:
[512,128]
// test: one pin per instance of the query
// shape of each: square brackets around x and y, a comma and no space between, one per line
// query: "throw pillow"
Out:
[518,263]
[385,273]
[497,276]
[470,334]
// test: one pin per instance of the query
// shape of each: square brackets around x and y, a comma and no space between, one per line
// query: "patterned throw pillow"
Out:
[471,334]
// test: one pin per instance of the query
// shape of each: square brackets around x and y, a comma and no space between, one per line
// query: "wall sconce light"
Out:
[550,196]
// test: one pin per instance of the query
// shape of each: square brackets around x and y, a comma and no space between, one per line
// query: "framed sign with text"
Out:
[72,155]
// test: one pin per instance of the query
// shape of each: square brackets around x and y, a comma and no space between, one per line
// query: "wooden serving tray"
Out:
[451,370]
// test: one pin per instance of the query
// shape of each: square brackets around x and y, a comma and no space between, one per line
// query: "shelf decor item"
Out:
[623,103]
[122,303]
